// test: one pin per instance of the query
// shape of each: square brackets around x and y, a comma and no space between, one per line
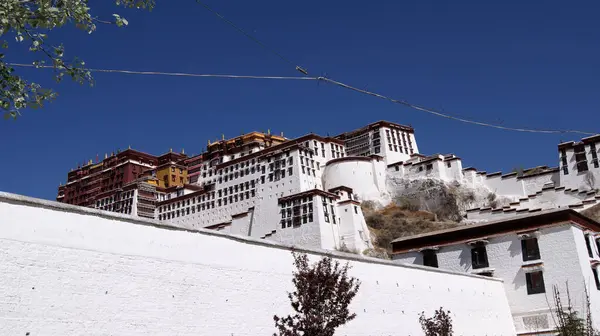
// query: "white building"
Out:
[238,185]
[274,191]
[579,168]
[530,253]
[570,185]
[393,142]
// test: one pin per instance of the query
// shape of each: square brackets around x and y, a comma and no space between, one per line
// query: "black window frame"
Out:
[596,280]
[588,245]
[430,258]
[532,251]
[479,258]
[540,288]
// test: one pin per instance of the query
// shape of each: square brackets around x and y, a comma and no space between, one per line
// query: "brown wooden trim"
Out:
[344,202]
[217,226]
[240,215]
[344,188]
[377,124]
[308,193]
[495,228]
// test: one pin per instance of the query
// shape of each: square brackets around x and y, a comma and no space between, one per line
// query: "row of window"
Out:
[296,212]
[581,162]
[115,198]
[479,259]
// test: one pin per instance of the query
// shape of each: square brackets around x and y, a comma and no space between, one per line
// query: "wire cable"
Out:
[396,101]
[179,74]
[445,115]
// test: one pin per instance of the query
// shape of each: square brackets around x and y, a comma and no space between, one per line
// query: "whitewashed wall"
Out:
[366,178]
[505,186]
[535,183]
[563,252]
[75,271]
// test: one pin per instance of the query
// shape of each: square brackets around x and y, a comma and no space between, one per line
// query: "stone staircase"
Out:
[549,197]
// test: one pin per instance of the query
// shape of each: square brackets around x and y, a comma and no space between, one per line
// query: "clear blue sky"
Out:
[521,63]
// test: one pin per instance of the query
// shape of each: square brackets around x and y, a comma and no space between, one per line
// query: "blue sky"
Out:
[519,63]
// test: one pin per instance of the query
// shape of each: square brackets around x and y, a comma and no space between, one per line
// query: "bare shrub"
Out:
[492,200]
[321,298]
[440,324]
[367,206]
[393,222]
[376,252]
[375,220]
[568,322]
[444,206]
[408,203]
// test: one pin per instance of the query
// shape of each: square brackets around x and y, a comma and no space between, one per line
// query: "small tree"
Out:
[28,23]
[438,325]
[568,322]
[321,298]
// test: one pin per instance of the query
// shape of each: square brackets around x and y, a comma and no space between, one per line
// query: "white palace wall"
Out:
[70,270]
[365,176]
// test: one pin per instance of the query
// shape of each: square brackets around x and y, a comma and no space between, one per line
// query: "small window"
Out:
[588,245]
[430,258]
[449,164]
[595,272]
[535,282]
[530,248]
[479,256]
[429,166]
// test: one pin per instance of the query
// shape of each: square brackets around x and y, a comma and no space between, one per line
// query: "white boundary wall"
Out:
[70,270]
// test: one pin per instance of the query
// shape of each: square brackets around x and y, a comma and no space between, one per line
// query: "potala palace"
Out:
[139,244]
[308,190]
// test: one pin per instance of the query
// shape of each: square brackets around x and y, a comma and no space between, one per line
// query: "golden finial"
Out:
[129,146]
[209,142]
[182,151]
[170,150]
[222,136]
[269,131]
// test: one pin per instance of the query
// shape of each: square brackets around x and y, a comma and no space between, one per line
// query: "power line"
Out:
[179,74]
[401,102]
[444,115]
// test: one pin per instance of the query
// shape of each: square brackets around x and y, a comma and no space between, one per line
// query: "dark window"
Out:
[479,256]
[594,155]
[563,161]
[429,166]
[530,248]
[588,245]
[430,258]
[595,271]
[535,282]
[580,158]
